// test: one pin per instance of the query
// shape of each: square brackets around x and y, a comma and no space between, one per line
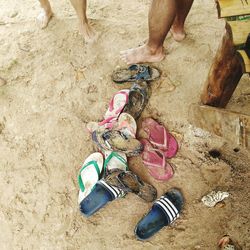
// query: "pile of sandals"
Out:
[105,176]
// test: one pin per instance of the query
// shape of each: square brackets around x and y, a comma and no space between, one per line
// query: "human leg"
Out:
[80,7]
[160,19]
[46,13]
[182,9]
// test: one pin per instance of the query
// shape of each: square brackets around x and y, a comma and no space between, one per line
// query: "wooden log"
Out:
[224,74]
[227,8]
[232,126]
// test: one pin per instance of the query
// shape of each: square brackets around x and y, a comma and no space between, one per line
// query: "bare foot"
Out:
[43,18]
[88,33]
[142,54]
[178,33]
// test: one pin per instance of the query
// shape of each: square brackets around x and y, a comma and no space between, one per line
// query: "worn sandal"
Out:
[137,99]
[115,140]
[130,182]
[135,72]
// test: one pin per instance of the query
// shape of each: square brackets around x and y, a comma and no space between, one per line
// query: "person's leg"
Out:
[46,13]
[80,7]
[160,19]
[182,9]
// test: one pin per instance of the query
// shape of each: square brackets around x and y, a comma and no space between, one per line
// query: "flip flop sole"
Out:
[128,75]
[133,182]
[115,160]
[160,137]
[163,212]
[138,99]
[127,124]
[89,174]
[113,140]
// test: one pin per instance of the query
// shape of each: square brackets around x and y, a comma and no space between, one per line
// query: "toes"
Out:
[124,57]
[43,19]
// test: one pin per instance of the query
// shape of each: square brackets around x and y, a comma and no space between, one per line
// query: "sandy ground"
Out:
[56,84]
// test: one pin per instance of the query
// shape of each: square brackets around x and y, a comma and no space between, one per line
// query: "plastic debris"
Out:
[226,243]
[211,199]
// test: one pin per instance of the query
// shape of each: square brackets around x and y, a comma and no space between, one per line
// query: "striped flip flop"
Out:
[164,211]
[99,197]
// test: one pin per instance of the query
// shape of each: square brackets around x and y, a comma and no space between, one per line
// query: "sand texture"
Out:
[52,84]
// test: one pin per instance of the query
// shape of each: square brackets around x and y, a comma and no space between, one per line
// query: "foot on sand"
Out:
[87,32]
[142,54]
[43,18]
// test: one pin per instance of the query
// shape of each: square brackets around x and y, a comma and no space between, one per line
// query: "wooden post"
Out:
[224,74]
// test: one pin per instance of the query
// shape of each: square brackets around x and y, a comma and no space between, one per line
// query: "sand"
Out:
[55,84]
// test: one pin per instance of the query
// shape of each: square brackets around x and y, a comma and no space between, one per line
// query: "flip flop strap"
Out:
[108,120]
[142,72]
[111,108]
[165,143]
[80,182]
[117,156]
[169,208]
[156,165]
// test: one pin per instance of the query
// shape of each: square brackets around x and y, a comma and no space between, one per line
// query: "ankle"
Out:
[178,27]
[154,50]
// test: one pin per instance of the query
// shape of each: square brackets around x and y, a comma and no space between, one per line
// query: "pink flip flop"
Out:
[116,106]
[160,137]
[156,162]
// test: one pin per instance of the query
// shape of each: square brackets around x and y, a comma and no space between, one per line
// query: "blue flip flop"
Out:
[99,197]
[163,212]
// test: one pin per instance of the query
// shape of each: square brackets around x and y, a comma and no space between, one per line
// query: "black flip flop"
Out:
[136,72]
[137,99]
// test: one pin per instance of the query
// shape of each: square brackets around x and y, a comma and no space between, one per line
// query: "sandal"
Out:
[130,182]
[116,106]
[115,160]
[126,124]
[99,197]
[160,137]
[156,163]
[163,213]
[137,99]
[135,72]
[89,174]
[115,140]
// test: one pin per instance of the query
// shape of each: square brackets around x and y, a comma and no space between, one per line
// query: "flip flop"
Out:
[163,212]
[99,197]
[160,137]
[135,185]
[115,160]
[137,99]
[115,140]
[89,174]
[126,124]
[116,105]
[135,72]
[156,163]
[130,182]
